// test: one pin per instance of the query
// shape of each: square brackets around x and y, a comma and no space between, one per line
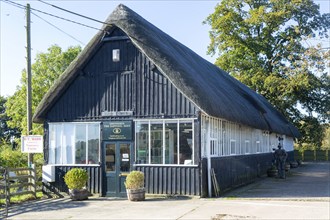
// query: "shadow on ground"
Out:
[311,180]
[44,205]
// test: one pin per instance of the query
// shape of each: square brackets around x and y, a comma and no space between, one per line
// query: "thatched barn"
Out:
[137,99]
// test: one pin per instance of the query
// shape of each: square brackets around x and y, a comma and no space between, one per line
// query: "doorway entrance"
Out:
[117,164]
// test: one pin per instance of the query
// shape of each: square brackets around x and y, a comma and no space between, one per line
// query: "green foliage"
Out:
[12,158]
[312,133]
[262,44]
[22,198]
[326,139]
[76,178]
[134,180]
[46,69]
[5,132]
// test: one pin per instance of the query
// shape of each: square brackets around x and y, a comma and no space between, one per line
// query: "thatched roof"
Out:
[213,90]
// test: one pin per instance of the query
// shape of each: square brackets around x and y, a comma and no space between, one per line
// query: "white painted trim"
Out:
[163,165]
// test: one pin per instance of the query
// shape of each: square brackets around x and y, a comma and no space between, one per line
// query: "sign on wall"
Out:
[32,144]
[117,130]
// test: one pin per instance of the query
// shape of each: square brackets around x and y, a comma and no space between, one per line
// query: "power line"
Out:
[58,28]
[46,13]
[71,12]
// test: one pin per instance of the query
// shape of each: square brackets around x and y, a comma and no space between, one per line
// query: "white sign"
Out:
[32,144]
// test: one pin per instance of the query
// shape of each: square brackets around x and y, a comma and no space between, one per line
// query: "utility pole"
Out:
[28,87]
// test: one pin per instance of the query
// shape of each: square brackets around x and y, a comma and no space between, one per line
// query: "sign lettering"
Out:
[117,130]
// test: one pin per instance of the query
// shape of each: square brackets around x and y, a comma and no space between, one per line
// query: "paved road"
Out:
[303,195]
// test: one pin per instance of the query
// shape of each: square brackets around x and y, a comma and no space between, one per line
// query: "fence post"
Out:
[7,194]
[33,180]
[8,186]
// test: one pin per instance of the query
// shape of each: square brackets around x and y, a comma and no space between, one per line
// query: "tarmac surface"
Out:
[304,194]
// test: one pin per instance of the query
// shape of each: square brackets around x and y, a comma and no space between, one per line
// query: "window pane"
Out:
[67,144]
[142,142]
[157,143]
[58,149]
[124,158]
[52,144]
[110,157]
[171,150]
[93,143]
[80,144]
[232,147]
[185,143]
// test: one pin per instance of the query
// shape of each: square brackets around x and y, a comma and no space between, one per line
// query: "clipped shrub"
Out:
[76,178]
[134,180]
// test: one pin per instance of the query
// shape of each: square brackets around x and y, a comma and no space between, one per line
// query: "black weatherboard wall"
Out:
[132,84]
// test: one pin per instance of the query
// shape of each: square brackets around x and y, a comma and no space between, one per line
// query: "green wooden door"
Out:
[117,165]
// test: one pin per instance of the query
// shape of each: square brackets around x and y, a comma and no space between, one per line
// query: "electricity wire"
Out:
[49,14]
[58,28]
[71,12]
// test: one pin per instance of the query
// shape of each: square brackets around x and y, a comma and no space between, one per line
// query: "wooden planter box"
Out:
[78,195]
[136,194]
[272,173]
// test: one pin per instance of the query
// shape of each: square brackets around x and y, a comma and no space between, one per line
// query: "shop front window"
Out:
[74,143]
[142,142]
[164,142]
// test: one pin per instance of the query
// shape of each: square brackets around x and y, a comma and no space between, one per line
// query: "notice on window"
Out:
[32,144]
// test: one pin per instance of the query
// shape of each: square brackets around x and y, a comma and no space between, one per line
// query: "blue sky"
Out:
[180,19]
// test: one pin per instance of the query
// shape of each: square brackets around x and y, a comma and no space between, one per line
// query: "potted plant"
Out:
[76,180]
[287,166]
[272,171]
[135,186]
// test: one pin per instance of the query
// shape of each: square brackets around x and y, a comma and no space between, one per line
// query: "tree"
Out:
[6,133]
[46,69]
[262,44]
[326,139]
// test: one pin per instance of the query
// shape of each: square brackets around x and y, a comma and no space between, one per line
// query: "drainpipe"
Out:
[208,152]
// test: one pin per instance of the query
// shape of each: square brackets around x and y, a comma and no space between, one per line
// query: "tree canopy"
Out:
[264,44]
[6,133]
[45,70]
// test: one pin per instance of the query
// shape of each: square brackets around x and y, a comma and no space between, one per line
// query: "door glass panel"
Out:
[110,157]
[124,157]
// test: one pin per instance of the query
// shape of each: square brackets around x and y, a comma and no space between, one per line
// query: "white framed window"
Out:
[166,141]
[232,147]
[213,147]
[258,146]
[235,139]
[74,143]
[115,55]
[247,147]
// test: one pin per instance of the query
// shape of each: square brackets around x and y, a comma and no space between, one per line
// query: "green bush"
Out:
[134,180]
[76,178]
[12,158]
